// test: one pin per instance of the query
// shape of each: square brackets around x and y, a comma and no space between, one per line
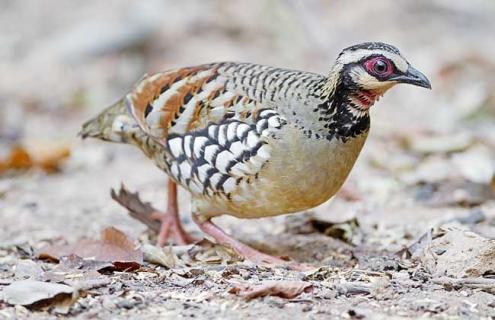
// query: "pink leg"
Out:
[240,248]
[171,227]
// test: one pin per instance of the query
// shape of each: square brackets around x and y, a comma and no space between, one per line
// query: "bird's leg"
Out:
[240,248]
[171,227]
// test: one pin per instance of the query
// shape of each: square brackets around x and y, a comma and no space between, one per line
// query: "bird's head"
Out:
[112,124]
[369,69]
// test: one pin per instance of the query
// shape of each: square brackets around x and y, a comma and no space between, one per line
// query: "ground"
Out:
[411,235]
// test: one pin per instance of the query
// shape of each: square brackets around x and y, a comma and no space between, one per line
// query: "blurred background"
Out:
[430,154]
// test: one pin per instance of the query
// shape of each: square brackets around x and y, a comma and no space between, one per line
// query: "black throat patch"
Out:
[341,122]
[343,119]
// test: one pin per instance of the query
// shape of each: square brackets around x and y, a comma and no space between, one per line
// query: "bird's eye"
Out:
[378,66]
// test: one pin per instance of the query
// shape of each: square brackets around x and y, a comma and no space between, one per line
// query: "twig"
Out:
[138,209]
[473,283]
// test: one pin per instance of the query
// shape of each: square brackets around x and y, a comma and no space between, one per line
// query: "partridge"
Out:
[250,140]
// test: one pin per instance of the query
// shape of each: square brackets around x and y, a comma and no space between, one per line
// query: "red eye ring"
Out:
[378,66]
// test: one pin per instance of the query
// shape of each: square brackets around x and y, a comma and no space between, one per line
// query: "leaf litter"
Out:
[45,156]
[39,294]
[114,247]
[283,289]
[455,253]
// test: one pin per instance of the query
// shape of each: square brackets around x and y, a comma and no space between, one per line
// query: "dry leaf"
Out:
[75,262]
[79,273]
[138,209]
[211,253]
[18,159]
[28,269]
[47,157]
[280,288]
[114,247]
[37,293]
[160,256]
[348,230]
[459,254]
[419,245]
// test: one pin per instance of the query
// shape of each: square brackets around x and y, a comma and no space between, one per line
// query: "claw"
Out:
[244,250]
[171,229]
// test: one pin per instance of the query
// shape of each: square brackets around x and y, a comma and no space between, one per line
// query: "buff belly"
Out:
[300,174]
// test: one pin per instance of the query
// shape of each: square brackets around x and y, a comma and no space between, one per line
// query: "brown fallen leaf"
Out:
[114,247]
[279,288]
[44,156]
[139,210]
[49,158]
[17,159]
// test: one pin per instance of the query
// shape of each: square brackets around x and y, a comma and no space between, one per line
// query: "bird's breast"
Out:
[302,173]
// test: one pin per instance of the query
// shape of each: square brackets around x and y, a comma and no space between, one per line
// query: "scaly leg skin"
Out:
[242,249]
[171,227]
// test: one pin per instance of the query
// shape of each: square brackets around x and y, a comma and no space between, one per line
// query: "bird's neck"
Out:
[345,115]
[342,113]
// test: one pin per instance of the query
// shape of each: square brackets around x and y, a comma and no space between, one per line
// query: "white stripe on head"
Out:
[357,55]
[365,80]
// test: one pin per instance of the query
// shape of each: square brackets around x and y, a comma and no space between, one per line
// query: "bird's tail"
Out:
[112,124]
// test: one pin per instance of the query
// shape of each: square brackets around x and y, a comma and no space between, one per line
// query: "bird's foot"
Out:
[244,250]
[171,229]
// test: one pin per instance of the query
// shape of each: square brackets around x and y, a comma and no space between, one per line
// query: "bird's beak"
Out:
[414,77]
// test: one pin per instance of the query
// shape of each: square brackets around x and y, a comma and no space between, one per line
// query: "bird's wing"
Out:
[212,120]
[223,157]
[186,99]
